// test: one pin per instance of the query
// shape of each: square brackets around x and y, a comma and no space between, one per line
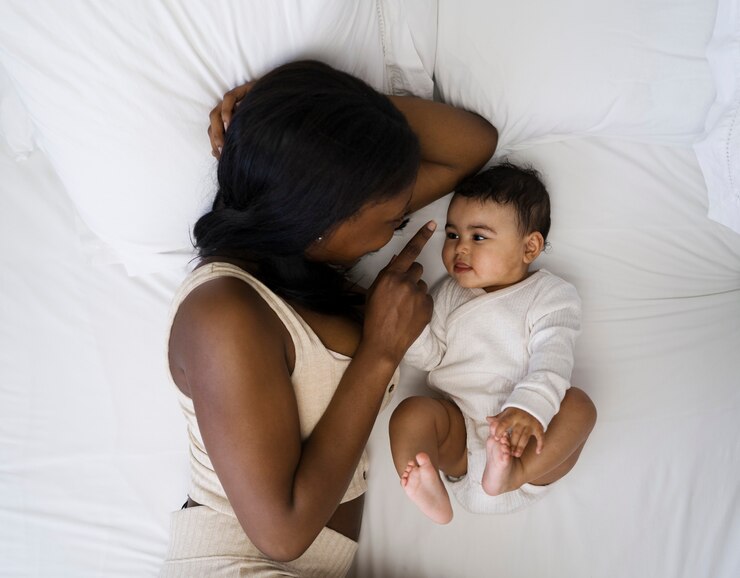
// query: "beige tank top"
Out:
[315,377]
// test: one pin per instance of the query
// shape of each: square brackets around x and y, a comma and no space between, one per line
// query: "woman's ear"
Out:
[534,243]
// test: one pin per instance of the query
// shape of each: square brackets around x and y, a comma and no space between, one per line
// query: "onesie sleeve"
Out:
[555,322]
[427,351]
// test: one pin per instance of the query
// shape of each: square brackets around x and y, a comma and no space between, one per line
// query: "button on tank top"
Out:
[315,377]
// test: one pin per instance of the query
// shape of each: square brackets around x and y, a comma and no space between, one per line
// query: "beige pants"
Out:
[204,542]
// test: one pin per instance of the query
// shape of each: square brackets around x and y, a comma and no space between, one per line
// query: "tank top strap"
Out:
[300,332]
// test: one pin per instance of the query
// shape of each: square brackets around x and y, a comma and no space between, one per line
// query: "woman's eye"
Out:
[403,224]
[452,235]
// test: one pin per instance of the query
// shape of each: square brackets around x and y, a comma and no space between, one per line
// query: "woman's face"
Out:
[365,232]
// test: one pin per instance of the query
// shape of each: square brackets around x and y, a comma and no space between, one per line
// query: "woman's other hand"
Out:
[398,306]
[221,115]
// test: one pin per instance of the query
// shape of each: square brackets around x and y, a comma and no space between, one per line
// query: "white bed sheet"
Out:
[92,446]
[656,492]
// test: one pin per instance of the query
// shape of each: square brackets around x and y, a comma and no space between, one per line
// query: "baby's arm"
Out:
[427,351]
[555,321]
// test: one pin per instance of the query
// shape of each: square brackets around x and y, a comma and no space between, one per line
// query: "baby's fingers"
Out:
[497,427]
[519,439]
[540,437]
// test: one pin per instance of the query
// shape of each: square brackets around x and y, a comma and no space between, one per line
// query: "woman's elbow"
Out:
[482,145]
[284,552]
[489,141]
[282,544]
[493,138]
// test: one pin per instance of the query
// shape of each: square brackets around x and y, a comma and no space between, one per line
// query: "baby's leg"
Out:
[564,440]
[427,435]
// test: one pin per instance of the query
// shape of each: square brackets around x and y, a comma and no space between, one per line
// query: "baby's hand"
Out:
[520,426]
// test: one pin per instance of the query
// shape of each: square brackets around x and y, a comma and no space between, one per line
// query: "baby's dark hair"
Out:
[522,187]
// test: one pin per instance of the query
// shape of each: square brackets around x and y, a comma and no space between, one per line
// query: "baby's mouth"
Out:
[460,267]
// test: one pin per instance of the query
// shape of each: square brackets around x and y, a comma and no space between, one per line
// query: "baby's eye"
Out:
[478,238]
[452,235]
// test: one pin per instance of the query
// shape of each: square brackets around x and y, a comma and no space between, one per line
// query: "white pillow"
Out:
[719,151]
[119,93]
[409,31]
[541,70]
[15,125]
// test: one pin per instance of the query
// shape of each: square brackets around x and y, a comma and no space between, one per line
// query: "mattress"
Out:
[93,449]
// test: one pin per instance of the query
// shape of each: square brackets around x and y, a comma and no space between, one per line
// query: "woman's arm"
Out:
[454,144]
[236,354]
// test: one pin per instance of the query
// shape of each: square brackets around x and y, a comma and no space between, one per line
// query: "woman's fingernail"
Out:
[432,225]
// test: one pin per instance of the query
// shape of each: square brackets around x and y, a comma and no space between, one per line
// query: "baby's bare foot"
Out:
[424,487]
[497,475]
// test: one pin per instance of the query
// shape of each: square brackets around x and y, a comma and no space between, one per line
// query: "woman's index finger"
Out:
[413,248]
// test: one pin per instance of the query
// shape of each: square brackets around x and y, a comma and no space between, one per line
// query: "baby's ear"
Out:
[534,243]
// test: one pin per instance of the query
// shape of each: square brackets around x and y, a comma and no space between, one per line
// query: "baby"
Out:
[499,348]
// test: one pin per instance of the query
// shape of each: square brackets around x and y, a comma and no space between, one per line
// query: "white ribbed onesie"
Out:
[489,351]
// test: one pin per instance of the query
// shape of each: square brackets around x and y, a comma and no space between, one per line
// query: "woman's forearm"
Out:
[454,144]
[397,309]
[329,457]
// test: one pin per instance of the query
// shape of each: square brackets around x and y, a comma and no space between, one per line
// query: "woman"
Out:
[282,366]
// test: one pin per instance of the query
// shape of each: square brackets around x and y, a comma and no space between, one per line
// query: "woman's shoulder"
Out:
[225,304]
[223,296]
[223,288]
[220,315]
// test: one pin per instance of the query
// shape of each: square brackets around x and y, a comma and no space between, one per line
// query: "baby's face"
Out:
[483,245]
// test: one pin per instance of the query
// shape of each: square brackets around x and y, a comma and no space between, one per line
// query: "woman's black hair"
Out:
[520,186]
[306,149]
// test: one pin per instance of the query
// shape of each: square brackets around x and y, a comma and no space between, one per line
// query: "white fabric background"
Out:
[92,446]
[543,71]
[656,492]
[719,149]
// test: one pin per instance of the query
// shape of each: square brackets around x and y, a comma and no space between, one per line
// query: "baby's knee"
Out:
[584,405]
[414,411]
[409,409]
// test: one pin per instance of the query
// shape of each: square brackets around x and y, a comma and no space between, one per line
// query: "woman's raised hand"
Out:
[398,306]
[221,114]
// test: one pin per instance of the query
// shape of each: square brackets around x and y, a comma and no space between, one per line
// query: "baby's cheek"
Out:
[448,258]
